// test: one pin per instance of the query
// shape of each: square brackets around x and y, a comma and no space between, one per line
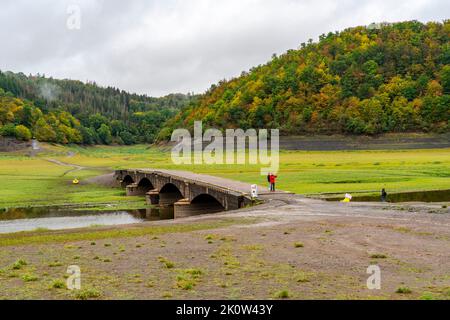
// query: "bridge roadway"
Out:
[189,193]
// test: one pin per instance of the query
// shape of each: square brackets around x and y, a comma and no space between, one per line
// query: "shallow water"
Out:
[419,196]
[56,218]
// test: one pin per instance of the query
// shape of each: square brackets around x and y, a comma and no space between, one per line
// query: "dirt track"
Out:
[259,259]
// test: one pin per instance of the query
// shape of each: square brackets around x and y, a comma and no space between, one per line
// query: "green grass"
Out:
[31,181]
[403,290]
[166,262]
[306,172]
[58,284]
[88,293]
[24,238]
[302,277]
[427,296]
[187,279]
[19,264]
[29,277]
[55,264]
[283,294]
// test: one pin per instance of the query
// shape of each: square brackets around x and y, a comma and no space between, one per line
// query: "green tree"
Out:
[8,130]
[22,133]
[445,79]
[127,137]
[104,134]
[44,132]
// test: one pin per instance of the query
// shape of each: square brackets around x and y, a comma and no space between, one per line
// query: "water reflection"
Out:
[153,214]
[55,218]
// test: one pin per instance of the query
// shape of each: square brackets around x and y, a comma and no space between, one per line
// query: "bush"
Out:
[22,133]
[427,296]
[104,133]
[58,284]
[403,290]
[166,262]
[8,130]
[302,277]
[19,264]
[89,293]
[283,294]
[29,277]
[127,137]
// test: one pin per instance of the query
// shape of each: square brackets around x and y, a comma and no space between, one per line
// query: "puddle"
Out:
[419,196]
[56,218]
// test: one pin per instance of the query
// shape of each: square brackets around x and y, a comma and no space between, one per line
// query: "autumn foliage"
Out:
[364,80]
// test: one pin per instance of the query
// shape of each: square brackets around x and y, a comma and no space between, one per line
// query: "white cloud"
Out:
[160,47]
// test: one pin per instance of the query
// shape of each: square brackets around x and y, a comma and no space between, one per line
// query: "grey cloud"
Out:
[157,47]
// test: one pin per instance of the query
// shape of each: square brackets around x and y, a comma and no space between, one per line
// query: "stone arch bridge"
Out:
[189,193]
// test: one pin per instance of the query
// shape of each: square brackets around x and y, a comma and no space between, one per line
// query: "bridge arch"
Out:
[126,181]
[208,201]
[145,185]
[169,194]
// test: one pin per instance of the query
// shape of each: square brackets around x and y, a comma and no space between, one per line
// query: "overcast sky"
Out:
[163,46]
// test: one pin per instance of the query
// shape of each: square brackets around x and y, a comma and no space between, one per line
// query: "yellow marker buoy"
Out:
[347,198]
[75,181]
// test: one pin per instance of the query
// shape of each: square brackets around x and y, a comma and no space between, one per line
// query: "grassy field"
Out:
[305,172]
[283,257]
[29,181]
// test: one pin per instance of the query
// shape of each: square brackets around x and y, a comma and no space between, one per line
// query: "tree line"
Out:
[363,80]
[67,111]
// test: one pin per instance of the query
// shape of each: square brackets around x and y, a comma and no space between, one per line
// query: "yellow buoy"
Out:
[348,198]
[75,181]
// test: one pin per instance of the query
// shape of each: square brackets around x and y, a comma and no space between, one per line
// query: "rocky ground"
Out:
[290,247]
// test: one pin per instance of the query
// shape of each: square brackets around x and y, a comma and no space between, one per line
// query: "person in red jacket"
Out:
[272,182]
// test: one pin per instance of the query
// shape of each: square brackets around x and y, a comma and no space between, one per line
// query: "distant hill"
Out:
[67,111]
[363,80]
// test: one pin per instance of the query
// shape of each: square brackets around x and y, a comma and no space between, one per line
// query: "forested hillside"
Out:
[67,111]
[364,80]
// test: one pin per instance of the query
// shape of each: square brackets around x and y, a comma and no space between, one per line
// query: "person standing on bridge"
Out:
[268,180]
[272,182]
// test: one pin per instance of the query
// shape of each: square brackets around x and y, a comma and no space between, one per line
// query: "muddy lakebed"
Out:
[71,217]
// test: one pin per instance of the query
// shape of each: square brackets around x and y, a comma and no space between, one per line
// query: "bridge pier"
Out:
[160,213]
[168,198]
[184,208]
[134,190]
[152,197]
[152,212]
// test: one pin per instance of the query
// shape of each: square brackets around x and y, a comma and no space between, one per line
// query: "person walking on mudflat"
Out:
[383,195]
[272,182]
